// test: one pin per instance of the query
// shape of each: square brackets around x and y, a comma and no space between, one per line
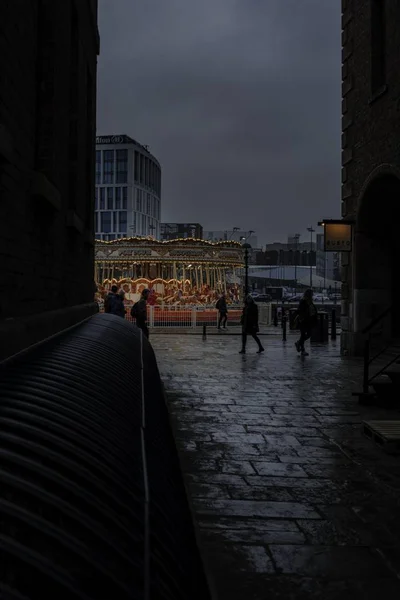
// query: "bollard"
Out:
[204,332]
[284,324]
[333,325]
[275,316]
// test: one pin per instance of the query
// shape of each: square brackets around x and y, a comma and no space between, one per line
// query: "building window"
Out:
[115,221]
[378,45]
[122,166]
[137,167]
[123,221]
[111,236]
[105,222]
[96,221]
[141,169]
[98,167]
[96,199]
[134,224]
[118,198]
[102,198]
[110,198]
[124,198]
[108,166]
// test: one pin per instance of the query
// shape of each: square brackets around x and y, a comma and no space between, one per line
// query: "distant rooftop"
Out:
[120,139]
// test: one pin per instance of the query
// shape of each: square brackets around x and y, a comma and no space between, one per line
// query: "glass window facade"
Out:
[118,198]
[108,175]
[110,198]
[105,221]
[102,198]
[121,209]
[123,221]
[122,166]
[98,167]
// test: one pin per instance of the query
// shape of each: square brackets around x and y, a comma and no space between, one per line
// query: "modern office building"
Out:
[172,231]
[128,189]
[48,72]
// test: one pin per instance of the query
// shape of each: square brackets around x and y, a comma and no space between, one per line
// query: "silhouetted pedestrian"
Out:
[139,312]
[250,324]
[114,303]
[307,319]
[223,311]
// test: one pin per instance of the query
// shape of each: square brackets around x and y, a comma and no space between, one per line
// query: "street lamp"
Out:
[311,230]
[246,247]
[296,239]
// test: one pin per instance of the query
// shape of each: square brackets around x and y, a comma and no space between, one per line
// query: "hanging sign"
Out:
[338,236]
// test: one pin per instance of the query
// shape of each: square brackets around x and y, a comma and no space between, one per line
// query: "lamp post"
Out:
[246,268]
[296,239]
[311,230]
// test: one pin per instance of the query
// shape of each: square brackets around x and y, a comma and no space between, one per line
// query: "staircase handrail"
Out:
[377,320]
[367,348]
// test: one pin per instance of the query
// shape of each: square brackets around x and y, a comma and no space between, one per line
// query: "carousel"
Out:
[177,272]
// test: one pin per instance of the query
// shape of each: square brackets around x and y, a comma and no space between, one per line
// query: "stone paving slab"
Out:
[290,500]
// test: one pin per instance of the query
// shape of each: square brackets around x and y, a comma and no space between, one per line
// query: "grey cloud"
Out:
[238,99]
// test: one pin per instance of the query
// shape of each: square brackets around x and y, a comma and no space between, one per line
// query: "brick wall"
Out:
[46,225]
[370,118]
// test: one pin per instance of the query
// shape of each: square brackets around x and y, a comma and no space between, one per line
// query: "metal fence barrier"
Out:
[196,317]
[92,499]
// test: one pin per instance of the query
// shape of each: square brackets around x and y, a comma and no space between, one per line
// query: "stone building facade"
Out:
[370,166]
[48,65]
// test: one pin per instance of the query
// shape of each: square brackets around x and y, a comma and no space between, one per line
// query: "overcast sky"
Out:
[239,100]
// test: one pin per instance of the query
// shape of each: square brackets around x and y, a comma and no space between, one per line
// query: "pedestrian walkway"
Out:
[290,500]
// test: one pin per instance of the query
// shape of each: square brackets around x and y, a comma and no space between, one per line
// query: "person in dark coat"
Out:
[250,324]
[223,312]
[307,319]
[114,303]
[139,312]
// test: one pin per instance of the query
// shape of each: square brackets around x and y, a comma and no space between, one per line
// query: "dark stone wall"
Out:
[370,120]
[48,64]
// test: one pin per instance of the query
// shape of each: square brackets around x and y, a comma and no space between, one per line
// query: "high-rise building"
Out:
[48,67]
[370,170]
[128,189]
[172,231]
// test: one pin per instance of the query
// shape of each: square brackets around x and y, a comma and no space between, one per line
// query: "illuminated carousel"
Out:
[177,272]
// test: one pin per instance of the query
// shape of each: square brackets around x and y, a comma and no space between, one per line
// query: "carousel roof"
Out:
[148,241]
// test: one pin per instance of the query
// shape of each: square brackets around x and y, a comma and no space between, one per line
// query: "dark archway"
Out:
[377,256]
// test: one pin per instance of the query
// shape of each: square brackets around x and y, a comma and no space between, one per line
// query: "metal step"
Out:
[385,434]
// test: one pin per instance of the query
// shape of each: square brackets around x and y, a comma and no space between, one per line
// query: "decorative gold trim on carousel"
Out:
[152,241]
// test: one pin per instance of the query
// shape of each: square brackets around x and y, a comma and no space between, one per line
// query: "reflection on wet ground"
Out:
[290,500]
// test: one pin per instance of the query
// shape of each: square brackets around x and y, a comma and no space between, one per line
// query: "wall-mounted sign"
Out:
[136,252]
[110,139]
[186,252]
[338,236]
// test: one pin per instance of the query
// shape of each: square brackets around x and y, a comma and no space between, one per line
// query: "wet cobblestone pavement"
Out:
[291,501]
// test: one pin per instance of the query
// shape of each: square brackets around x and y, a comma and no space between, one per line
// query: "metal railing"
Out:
[376,346]
[195,317]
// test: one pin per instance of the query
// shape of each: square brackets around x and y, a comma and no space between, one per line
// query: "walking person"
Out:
[139,312]
[250,324]
[114,303]
[223,311]
[307,319]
